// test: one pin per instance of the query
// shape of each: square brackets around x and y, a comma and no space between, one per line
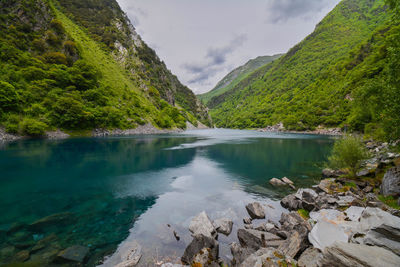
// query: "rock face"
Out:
[201,225]
[255,210]
[75,254]
[256,239]
[223,226]
[198,243]
[391,182]
[354,255]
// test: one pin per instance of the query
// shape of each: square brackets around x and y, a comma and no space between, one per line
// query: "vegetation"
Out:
[345,74]
[348,153]
[57,71]
[305,214]
[390,201]
[235,76]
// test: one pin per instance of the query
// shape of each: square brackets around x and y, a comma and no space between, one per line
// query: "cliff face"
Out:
[80,65]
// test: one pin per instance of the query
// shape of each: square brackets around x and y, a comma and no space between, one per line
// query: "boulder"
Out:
[266,227]
[277,182]
[374,217]
[342,254]
[325,185]
[201,225]
[75,254]
[294,222]
[324,234]
[198,243]
[239,254]
[256,239]
[255,210]
[345,200]
[329,173]
[247,220]
[290,202]
[354,213]
[294,244]
[391,182]
[287,181]
[306,194]
[328,215]
[131,257]
[223,226]
[310,258]
[205,259]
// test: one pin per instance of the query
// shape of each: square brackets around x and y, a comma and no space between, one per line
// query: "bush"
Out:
[12,124]
[348,152]
[8,97]
[32,127]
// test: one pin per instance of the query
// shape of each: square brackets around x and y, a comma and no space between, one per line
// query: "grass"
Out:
[304,214]
[390,201]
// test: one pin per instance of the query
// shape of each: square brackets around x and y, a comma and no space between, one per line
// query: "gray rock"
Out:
[391,182]
[345,200]
[287,181]
[223,226]
[277,182]
[256,239]
[131,255]
[205,259]
[198,243]
[255,210]
[306,194]
[247,220]
[290,202]
[374,217]
[324,234]
[239,254]
[310,258]
[201,225]
[354,213]
[266,227]
[168,264]
[267,257]
[294,222]
[293,245]
[342,254]
[74,254]
[384,236]
[325,185]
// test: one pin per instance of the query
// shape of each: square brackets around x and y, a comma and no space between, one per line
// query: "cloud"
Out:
[215,60]
[283,10]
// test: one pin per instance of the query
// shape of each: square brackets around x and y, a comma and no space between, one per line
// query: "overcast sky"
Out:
[203,40]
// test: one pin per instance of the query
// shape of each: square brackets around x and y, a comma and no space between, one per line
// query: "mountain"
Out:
[343,74]
[235,76]
[80,65]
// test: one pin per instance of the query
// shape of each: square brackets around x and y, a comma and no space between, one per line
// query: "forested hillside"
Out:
[76,65]
[235,76]
[346,74]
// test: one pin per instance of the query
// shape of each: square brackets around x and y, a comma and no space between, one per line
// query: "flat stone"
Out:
[223,226]
[74,254]
[255,210]
[345,200]
[277,182]
[310,258]
[201,225]
[324,234]
[328,215]
[384,236]
[354,213]
[355,255]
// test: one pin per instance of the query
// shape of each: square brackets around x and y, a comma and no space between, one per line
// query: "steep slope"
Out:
[235,76]
[80,65]
[319,81]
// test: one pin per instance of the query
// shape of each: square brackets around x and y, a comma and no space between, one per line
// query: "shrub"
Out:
[32,127]
[11,124]
[56,58]
[8,97]
[348,152]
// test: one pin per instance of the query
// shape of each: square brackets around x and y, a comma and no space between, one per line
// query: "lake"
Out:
[104,193]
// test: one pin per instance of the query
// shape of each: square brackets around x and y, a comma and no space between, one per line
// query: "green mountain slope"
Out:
[76,65]
[331,78]
[235,76]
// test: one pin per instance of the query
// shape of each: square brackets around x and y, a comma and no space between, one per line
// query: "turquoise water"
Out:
[104,193]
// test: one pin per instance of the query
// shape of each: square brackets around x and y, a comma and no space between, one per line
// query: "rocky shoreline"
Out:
[338,222]
[279,128]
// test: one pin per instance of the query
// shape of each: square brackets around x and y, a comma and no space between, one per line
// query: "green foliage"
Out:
[305,214]
[32,127]
[345,74]
[348,152]
[390,201]
[8,97]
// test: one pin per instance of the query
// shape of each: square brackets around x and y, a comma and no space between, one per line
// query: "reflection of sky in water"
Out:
[209,183]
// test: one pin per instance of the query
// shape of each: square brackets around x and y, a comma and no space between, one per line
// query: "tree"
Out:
[8,97]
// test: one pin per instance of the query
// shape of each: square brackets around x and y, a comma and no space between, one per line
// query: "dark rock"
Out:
[294,222]
[247,220]
[239,254]
[290,202]
[294,245]
[74,254]
[198,243]
[310,258]
[22,256]
[248,226]
[391,182]
[256,239]
[255,210]
[342,254]
[368,189]
[329,173]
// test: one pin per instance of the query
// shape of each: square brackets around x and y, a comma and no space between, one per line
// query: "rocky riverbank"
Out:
[338,222]
[279,128]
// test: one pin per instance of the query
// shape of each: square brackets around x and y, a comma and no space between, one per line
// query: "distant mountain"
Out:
[344,74]
[79,64]
[235,76]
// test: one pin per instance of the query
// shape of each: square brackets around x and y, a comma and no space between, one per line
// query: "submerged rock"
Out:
[277,182]
[201,225]
[223,226]
[342,254]
[287,181]
[52,220]
[255,210]
[74,254]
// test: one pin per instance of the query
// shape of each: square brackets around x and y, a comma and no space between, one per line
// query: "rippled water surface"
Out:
[104,193]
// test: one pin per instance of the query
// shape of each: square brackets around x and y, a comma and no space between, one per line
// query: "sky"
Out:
[203,40]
